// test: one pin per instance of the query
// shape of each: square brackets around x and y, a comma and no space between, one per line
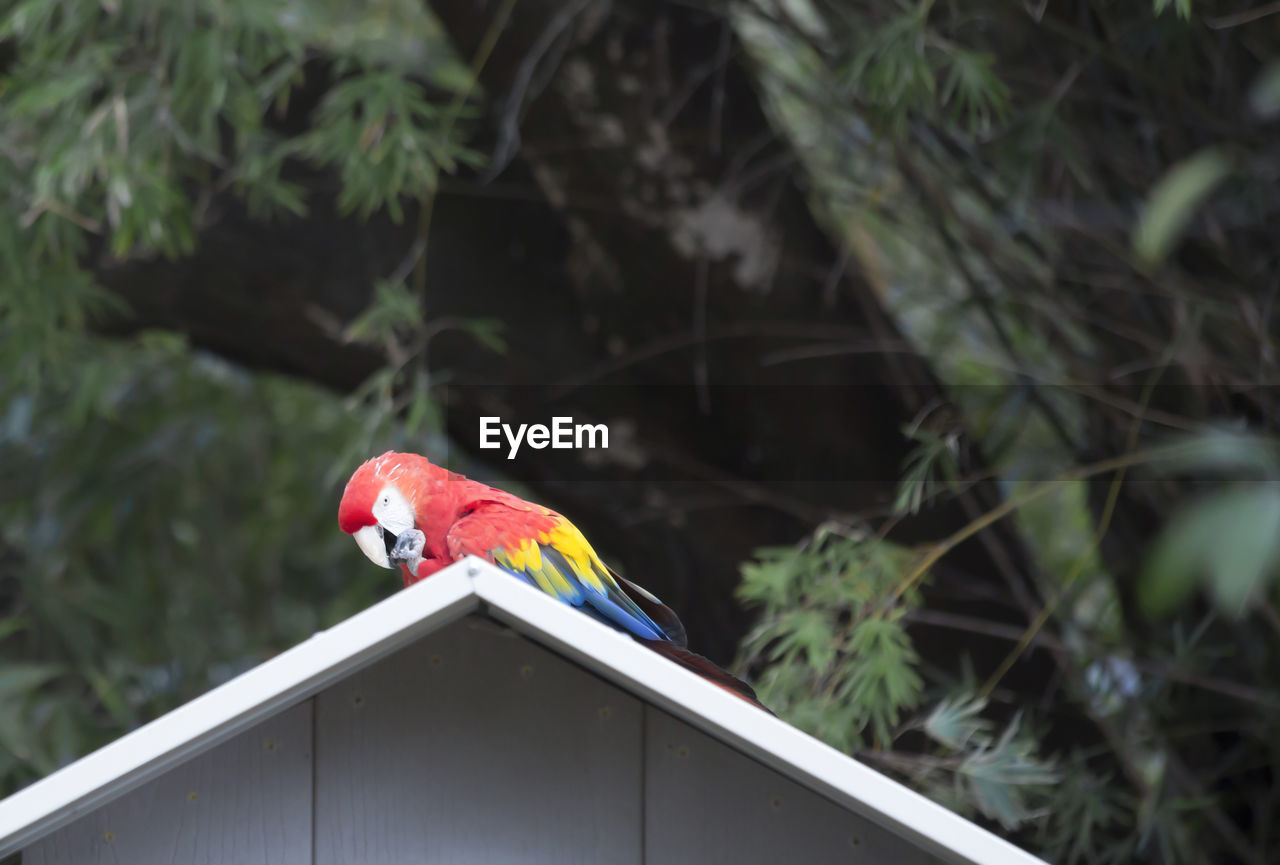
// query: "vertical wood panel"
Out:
[707,803]
[476,745]
[247,801]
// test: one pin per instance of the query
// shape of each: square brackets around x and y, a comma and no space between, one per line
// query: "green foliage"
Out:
[832,657]
[974,91]
[165,522]
[884,681]
[486,331]
[393,313]
[399,140]
[893,70]
[1183,7]
[120,123]
[1086,826]
[956,721]
[1230,538]
[401,392]
[24,745]
[896,72]
[1233,538]
[998,775]
[934,455]
[982,163]
[1174,200]
[1221,452]
[839,661]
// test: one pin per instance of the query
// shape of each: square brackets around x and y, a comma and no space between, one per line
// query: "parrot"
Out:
[403,510]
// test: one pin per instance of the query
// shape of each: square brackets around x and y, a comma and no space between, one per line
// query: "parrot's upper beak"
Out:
[376,543]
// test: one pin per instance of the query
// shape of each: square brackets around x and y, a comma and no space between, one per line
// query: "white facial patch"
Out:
[393,511]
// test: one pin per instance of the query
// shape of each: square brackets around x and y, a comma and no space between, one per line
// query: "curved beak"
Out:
[372,542]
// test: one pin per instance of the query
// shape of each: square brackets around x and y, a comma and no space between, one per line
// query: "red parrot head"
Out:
[387,496]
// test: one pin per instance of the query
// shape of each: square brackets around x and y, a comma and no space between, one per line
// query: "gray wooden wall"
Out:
[473,745]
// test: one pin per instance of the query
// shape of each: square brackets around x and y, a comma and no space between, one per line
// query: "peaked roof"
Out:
[470,586]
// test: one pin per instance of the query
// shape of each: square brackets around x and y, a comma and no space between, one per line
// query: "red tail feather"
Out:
[706,669]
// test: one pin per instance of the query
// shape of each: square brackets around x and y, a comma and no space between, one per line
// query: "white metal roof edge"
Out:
[214,717]
[777,744]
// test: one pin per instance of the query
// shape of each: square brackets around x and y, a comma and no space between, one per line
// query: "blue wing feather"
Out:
[612,607]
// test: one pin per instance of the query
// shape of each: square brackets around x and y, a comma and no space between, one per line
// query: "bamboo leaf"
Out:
[955,722]
[1231,540]
[1172,203]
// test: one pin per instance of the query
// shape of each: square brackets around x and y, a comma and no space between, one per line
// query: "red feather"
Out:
[707,669]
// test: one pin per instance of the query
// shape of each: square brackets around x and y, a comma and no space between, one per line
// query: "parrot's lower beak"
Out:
[375,543]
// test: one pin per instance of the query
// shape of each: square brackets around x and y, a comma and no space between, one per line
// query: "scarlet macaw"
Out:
[403,510]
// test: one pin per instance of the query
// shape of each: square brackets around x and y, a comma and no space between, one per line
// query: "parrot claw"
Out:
[408,548]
